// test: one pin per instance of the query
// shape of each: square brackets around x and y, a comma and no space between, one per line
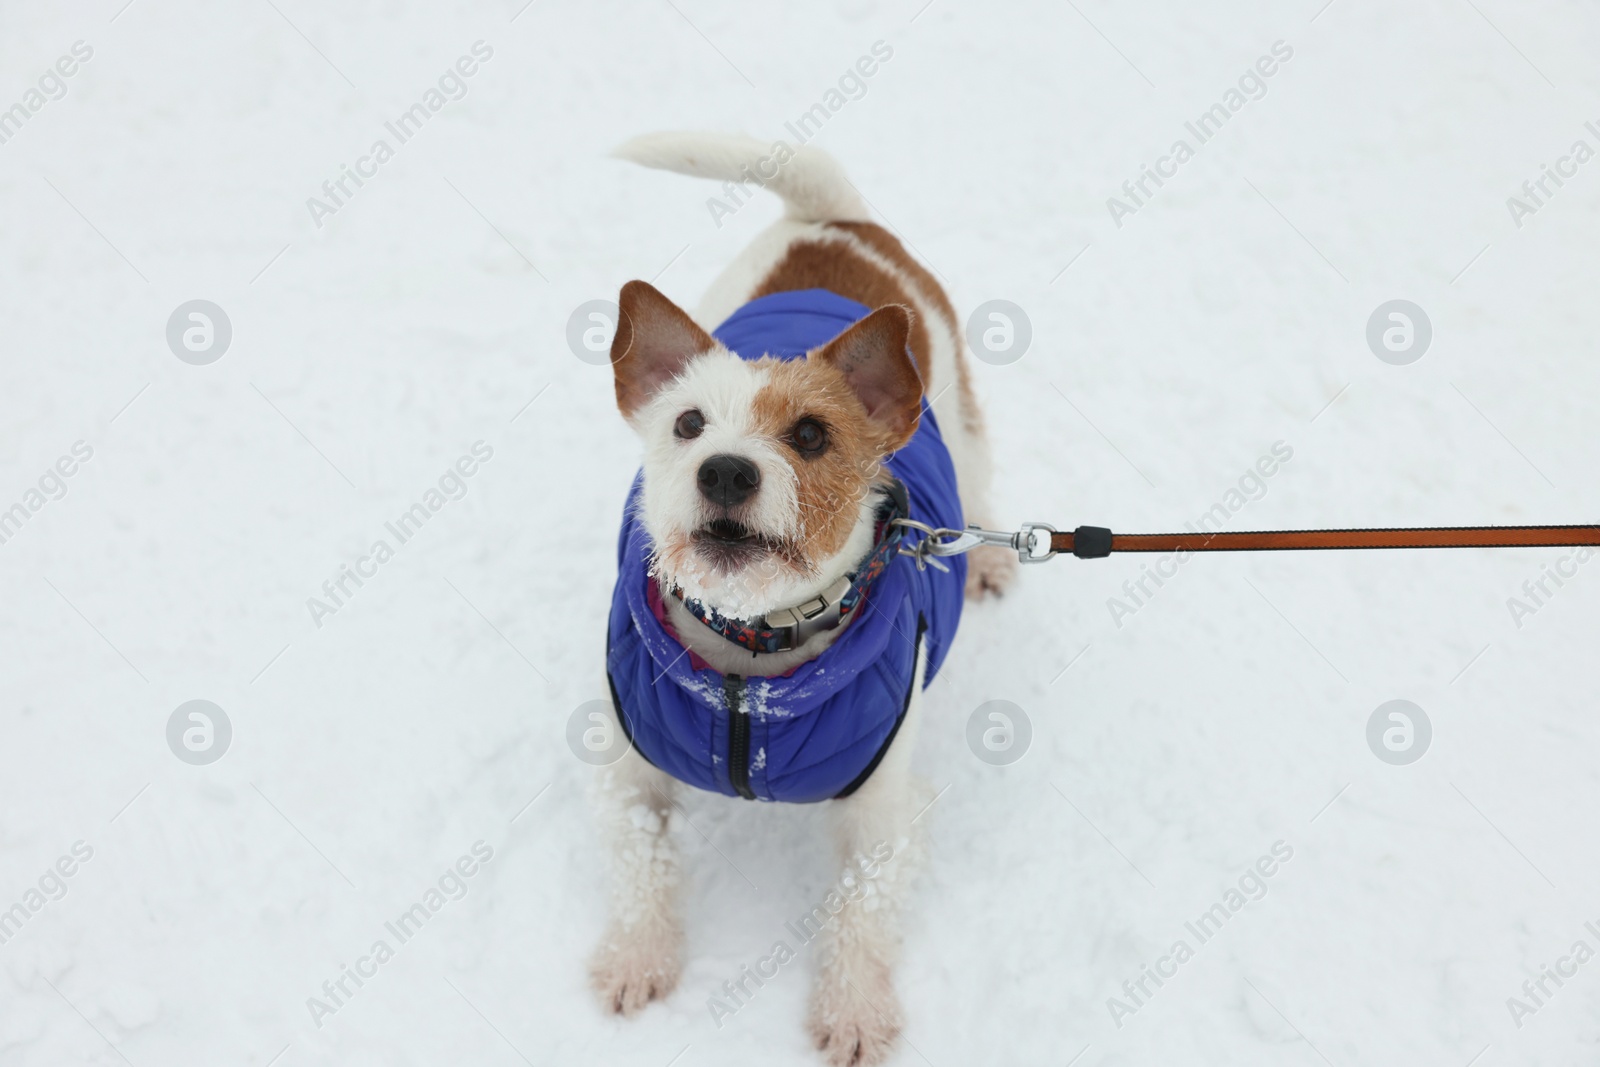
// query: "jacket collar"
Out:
[789,628]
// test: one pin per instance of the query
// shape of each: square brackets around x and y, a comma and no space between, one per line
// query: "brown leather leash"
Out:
[1036,542]
[1090,542]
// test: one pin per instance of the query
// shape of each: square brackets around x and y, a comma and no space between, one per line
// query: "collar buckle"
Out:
[805,620]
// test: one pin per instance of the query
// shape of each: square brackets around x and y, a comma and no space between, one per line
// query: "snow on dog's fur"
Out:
[757,495]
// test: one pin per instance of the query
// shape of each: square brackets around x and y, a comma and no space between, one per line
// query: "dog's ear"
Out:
[873,358]
[655,338]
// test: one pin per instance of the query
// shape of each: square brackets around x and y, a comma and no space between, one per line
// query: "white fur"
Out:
[723,387]
[855,1016]
[811,182]
[640,956]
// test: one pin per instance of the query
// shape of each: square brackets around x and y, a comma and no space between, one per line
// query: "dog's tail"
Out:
[811,182]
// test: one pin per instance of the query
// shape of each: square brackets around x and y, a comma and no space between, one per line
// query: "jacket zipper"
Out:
[738,736]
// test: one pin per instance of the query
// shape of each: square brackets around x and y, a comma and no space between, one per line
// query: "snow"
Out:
[429,712]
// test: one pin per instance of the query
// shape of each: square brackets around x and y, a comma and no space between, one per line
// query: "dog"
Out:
[767,639]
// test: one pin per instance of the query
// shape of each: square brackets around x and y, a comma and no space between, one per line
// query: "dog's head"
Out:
[756,473]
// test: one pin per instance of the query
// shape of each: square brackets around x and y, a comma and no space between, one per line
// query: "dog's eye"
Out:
[689,425]
[808,437]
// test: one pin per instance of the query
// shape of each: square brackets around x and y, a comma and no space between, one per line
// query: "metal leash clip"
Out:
[943,541]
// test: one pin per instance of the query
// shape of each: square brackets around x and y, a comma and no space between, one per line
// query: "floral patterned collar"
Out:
[788,628]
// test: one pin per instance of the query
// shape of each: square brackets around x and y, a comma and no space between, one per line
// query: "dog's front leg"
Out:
[855,1013]
[640,956]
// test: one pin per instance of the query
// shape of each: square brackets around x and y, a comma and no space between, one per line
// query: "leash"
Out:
[1036,542]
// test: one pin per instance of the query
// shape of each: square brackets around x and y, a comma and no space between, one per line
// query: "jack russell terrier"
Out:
[767,639]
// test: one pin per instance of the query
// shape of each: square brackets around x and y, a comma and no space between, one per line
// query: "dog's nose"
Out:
[728,480]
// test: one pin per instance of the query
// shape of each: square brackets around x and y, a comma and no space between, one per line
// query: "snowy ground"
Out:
[429,711]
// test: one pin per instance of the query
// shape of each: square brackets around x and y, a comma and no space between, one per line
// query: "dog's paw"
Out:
[849,1029]
[989,571]
[631,968]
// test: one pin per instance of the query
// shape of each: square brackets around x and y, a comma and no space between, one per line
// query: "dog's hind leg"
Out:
[640,956]
[855,1014]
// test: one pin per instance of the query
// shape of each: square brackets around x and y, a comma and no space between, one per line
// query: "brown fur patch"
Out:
[655,338]
[831,485]
[872,356]
[839,268]
[889,247]
[835,266]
